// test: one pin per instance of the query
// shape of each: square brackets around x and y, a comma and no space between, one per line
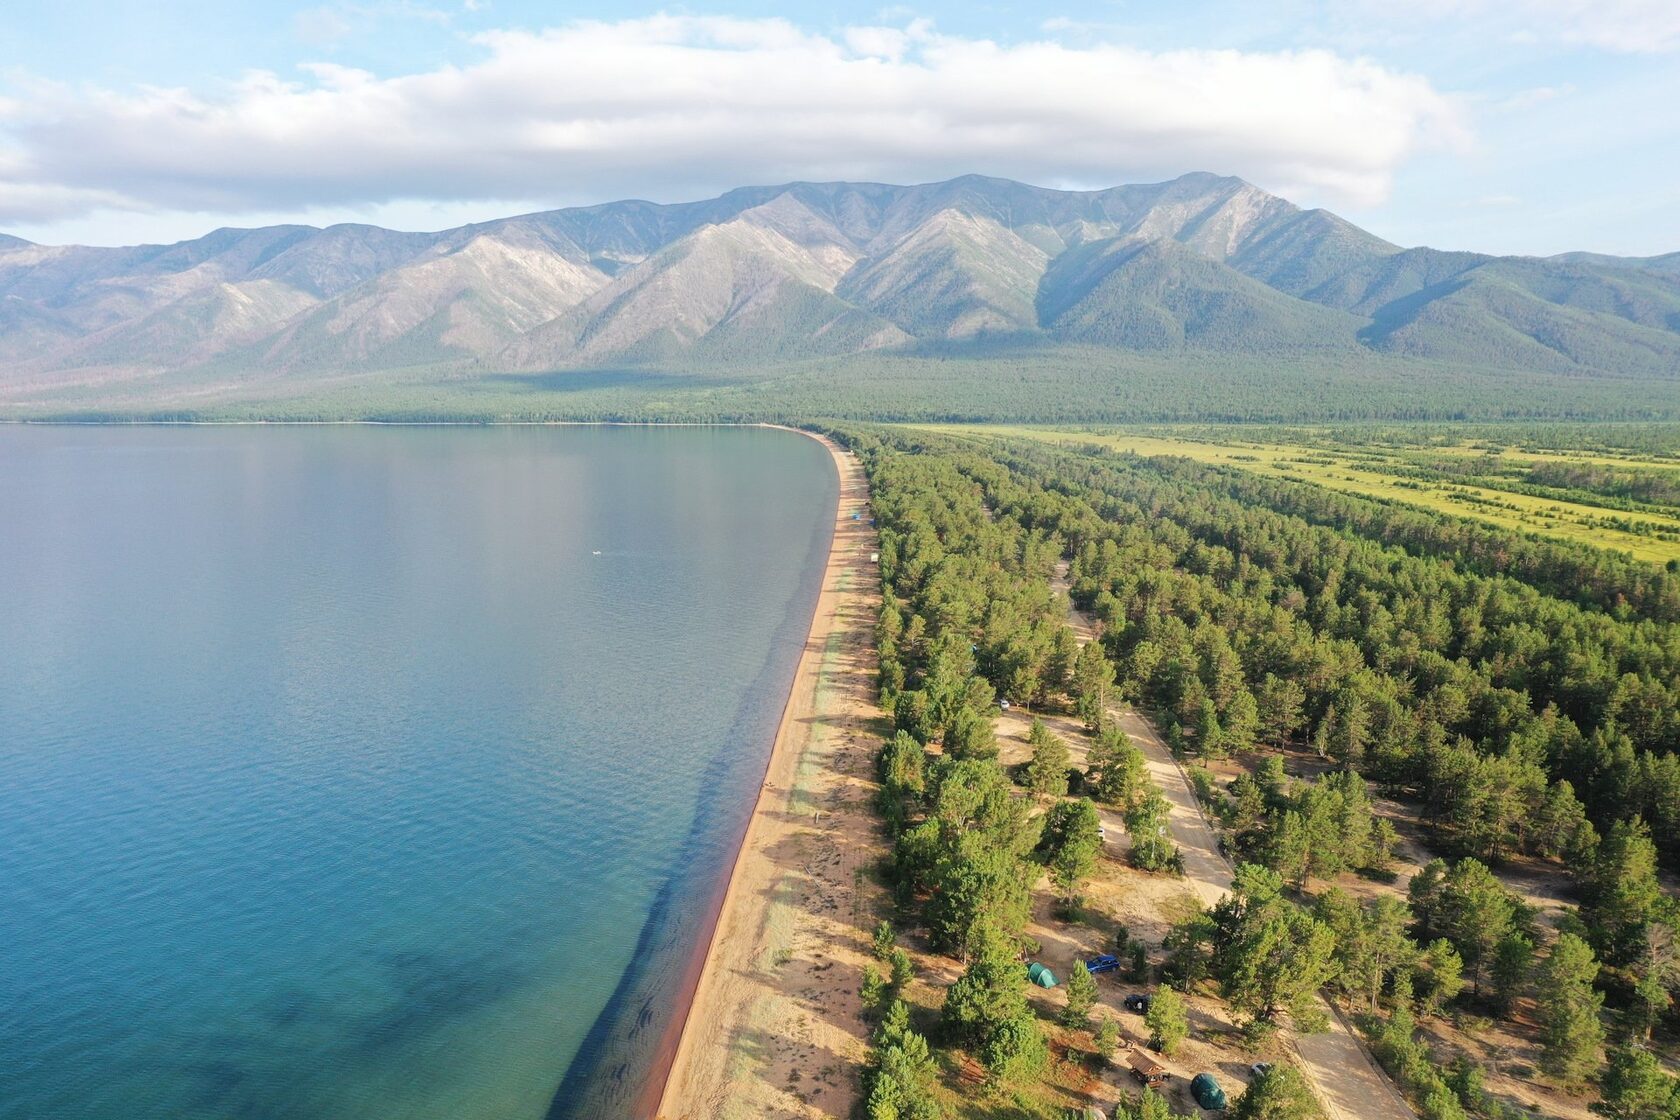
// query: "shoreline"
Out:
[697,1071]
[847,575]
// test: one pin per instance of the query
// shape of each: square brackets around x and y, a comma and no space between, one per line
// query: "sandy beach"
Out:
[774,1028]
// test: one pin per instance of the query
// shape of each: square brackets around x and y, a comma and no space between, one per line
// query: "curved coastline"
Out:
[601,1080]
[683,1082]
[685,926]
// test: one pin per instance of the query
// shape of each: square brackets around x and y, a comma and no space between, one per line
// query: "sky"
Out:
[1508,126]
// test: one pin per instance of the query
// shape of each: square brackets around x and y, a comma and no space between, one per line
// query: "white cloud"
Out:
[1633,26]
[1625,26]
[330,25]
[321,27]
[677,106]
[1524,100]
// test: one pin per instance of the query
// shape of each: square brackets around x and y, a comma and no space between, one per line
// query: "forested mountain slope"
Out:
[1199,265]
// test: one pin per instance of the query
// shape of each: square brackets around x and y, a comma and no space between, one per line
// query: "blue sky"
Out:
[1530,126]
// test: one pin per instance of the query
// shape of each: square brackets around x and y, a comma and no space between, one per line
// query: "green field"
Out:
[1469,478]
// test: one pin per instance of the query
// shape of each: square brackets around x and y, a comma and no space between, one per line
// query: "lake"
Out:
[377,772]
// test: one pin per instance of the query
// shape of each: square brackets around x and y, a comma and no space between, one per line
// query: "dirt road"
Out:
[1338,1067]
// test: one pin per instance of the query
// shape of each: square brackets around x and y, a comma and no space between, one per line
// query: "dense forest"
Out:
[1066,385]
[1524,695]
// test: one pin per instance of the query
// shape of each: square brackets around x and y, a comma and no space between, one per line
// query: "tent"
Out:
[1040,975]
[1207,1092]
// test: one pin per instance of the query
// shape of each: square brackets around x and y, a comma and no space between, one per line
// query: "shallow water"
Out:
[342,768]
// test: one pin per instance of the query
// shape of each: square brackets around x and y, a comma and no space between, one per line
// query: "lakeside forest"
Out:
[1438,753]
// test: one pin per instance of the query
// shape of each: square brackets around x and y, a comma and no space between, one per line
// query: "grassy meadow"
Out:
[1487,480]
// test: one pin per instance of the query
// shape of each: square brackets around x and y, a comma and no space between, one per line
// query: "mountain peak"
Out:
[776,273]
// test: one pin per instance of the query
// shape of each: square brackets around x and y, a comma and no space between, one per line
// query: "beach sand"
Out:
[775,1027]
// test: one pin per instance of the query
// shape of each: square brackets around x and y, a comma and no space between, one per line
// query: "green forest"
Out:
[996,382]
[1517,698]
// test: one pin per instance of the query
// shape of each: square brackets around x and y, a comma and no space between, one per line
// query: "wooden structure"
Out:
[1146,1069]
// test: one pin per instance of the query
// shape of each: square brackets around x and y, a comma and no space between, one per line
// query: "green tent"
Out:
[1040,975]
[1207,1092]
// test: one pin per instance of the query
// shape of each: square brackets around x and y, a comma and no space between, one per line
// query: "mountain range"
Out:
[766,275]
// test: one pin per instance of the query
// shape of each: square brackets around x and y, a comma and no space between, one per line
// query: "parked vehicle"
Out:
[1105,963]
[1139,1003]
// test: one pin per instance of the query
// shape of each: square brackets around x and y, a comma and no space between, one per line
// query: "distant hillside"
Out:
[1200,267]
[1669,262]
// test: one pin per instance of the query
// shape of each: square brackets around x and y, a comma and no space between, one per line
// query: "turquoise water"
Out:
[377,772]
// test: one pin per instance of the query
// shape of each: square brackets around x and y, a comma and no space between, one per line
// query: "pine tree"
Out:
[1561,828]
[1438,976]
[903,969]
[1107,1039]
[1277,962]
[1570,1030]
[1209,735]
[1513,959]
[873,991]
[900,1074]
[884,940]
[1371,943]
[1241,722]
[1289,849]
[1635,1087]
[903,764]
[1383,841]
[1047,772]
[1146,821]
[1072,841]
[1081,997]
[1150,1106]
[1117,771]
[971,735]
[987,1009]
[1167,1020]
[1064,654]
[1093,681]
[1350,730]
[1472,908]
[1280,702]
[1622,890]
[1279,1093]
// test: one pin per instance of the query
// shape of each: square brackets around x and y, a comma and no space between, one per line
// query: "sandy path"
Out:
[775,1027]
[1338,1067]
[1205,867]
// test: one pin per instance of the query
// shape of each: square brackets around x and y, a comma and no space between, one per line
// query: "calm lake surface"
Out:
[377,772]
